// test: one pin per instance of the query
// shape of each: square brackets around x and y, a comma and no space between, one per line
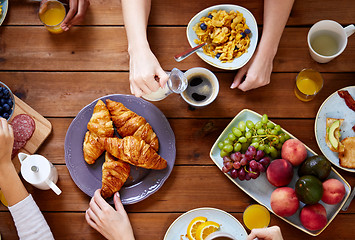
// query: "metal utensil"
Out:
[188,52]
[347,203]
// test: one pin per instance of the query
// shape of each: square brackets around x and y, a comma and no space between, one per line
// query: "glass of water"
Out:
[177,83]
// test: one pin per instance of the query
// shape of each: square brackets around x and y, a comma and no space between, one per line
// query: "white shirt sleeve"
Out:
[29,221]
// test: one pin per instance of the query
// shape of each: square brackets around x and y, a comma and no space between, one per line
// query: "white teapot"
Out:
[39,172]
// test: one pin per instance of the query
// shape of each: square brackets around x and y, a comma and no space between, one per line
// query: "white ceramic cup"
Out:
[39,172]
[210,90]
[220,235]
[336,30]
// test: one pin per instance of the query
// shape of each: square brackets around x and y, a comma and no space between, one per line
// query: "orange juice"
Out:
[308,84]
[256,216]
[52,13]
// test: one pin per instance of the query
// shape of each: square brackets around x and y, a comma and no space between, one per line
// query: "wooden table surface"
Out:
[58,75]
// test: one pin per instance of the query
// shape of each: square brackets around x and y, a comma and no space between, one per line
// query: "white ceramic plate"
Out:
[334,107]
[4,4]
[227,223]
[238,62]
[260,189]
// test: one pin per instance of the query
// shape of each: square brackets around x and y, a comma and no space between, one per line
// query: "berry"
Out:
[210,16]
[2,101]
[218,55]
[5,115]
[243,34]
[6,107]
[203,26]
[9,101]
[247,31]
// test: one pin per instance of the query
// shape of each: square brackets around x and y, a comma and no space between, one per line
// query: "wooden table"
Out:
[59,74]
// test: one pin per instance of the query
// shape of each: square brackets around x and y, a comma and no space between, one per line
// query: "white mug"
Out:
[331,32]
[208,88]
[39,172]
[220,235]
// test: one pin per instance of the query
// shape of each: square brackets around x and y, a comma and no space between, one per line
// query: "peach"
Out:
[313,217]
[333,191]
[279,173]
[284,201]
[294,151]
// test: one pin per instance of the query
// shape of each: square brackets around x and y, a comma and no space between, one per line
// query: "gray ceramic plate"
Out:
[334,107]
[142,182]
[4,4]
[227,222]
[260,189]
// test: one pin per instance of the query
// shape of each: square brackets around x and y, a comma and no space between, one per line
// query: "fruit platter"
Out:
[277,170]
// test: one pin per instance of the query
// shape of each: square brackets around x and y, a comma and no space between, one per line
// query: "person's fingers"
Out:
[145,88]
[247,85]
[163,77]
[136,91]
[102,204]
[3,126]
[118,204]
[91,217]
[238,77]
[79,17]
[73,4]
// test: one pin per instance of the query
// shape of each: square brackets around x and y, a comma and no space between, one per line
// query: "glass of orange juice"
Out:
[308,83]
[52,13]
[256,216]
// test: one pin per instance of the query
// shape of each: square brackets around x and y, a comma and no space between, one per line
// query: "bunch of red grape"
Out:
[246,166]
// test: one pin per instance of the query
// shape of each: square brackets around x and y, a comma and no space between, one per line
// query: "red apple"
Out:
[280,172]
[333,191]
[294,151]
[284,201]
[313,217]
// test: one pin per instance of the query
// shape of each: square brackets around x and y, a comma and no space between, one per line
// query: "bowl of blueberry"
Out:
[197,29]
[7,102]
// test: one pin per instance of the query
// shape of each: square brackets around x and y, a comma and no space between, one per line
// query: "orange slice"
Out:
[206,229]
[3,200]
[194,224]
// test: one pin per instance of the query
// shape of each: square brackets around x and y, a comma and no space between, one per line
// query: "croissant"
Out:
[114,174]
[129,123]
[100,122]
[134,151]
[92,148]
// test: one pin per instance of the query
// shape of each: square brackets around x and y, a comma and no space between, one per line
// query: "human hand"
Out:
[111,223]
[6,141]
[146,74]
[257,72]
[76,13]
[270,233]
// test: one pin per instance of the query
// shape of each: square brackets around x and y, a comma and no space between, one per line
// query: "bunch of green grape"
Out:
[263,135]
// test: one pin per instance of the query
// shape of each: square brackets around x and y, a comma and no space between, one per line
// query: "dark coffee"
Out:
[200,89]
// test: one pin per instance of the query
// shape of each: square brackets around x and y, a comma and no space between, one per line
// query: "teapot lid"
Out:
[35,169]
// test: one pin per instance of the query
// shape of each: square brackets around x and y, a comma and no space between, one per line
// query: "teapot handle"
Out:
[53,187]
[22,156]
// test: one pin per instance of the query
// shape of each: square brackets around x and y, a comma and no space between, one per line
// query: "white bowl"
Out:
[237,62]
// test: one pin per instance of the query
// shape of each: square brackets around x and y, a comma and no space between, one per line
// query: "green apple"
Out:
[332,138]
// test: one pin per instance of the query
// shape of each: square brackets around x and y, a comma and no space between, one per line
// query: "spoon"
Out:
[188,52]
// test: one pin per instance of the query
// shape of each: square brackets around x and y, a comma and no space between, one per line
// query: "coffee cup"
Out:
[327,39]
[39,172]
[202,88]
[220,236]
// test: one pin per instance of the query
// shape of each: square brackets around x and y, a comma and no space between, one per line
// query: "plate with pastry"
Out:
[335,128]
[120,143]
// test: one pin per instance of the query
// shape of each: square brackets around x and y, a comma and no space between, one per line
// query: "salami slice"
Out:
[23,126]
[16,147]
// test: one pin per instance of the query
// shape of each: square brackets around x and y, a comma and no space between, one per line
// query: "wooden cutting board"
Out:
[42,131]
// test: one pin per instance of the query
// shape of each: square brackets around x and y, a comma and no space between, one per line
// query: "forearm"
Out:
[276,13]
[135,16]
[11,184]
